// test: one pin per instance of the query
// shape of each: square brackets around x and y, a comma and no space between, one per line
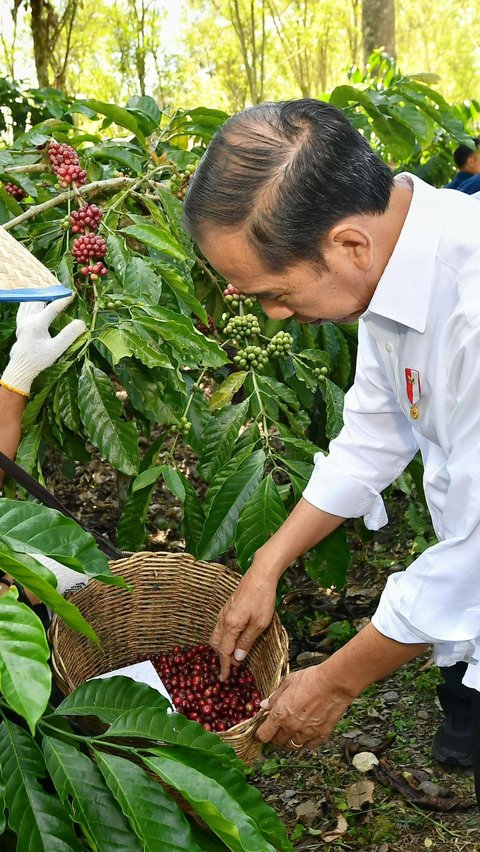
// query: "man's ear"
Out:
[354,241]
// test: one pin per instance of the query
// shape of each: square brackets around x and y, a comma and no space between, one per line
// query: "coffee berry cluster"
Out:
[251,356]
[191,676]
[183,427]
[65,164]
[86,250]
[180,180]
[244,326]
[15,191]
[234,297]
[86,219]
[280,344]
[321,373]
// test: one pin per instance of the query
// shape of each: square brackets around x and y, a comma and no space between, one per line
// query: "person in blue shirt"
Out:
[467,161]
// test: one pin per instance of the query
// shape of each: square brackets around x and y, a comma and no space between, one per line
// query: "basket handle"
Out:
[48,499]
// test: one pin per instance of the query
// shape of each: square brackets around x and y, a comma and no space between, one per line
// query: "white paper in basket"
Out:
[142,673]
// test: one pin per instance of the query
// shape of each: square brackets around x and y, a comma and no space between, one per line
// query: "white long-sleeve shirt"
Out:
[424,316]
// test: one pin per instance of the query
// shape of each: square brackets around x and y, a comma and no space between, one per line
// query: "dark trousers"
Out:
[463,701]
[476,742]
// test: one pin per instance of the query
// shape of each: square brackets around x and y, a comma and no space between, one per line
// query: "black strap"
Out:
[48,499]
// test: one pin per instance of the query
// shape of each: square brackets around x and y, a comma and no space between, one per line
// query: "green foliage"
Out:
[167,361]
[167,355]
[63,790]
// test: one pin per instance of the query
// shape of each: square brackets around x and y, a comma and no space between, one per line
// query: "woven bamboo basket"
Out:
[175,601]
[22,274]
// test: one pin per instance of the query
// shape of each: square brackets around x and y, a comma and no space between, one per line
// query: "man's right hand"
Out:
[247,613]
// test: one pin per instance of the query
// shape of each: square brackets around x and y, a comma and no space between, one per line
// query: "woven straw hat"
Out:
[22,277]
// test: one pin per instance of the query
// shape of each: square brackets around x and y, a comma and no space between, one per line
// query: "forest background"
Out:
[228,54]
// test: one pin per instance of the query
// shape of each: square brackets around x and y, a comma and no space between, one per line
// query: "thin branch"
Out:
[31,168]
[89,189]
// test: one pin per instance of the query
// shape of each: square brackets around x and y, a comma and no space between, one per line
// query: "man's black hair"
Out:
[285,173]
[463,152]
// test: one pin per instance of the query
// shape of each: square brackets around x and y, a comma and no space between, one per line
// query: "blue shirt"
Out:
[465,182]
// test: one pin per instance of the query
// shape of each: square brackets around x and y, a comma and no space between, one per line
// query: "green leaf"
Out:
[238,457]
[114,341]
[75,777]
[329,562]
[39,820]
[183,289]
[261,516]
[223,395]
[231,807]
[144,393]
[171,477]
[118,254]
[115,113]
[109,698]
[3,788]
[142,281]
[306,448]
[305,374]
[131,530]
[160,239]
[33,575]
[124,154]
[155,817]
[193,516]
[101,414]
[143,346]
[174,729]
[25,678]
[43,386]
[277,391]
[218,439]
[147,110]
[220,525]
[31,528]
[334,398]
[174,482]
[319,358]
[192,347]
[27,452]
[147,477]
[66,397]
[302,469]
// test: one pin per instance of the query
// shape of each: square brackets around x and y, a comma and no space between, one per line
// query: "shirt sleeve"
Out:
[373,448]
[437,599]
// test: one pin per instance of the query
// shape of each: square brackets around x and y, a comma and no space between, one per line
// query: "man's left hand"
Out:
[304,710]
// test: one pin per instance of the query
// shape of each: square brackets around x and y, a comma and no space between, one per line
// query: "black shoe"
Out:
[453,742]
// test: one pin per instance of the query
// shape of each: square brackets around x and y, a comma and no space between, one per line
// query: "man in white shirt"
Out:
[290,204]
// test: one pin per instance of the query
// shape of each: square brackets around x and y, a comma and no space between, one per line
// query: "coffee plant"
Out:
[63,787]
[173,358]
[173,353]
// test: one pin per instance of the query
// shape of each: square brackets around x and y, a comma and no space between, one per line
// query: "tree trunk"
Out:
[43,17]
[378,27]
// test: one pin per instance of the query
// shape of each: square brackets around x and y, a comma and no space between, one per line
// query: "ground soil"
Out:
[317,794]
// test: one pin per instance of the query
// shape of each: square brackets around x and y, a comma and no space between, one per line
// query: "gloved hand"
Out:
[35,350]
[67,580]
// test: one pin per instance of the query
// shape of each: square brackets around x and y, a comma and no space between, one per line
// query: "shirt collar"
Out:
[398,295]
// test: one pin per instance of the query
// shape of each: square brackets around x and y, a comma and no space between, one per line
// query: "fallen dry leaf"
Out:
[360,793]
[339,831]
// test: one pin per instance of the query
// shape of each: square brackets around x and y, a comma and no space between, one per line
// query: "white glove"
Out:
[67,580]
[35,350]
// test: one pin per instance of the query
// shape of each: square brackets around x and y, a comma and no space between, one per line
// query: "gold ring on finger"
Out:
[295,745]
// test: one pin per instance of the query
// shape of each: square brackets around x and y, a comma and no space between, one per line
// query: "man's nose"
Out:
[274,310]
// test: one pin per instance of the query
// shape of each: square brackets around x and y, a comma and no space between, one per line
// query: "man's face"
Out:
[473,163]
[302,292]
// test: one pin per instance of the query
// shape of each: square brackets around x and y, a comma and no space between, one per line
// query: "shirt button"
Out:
[389,347]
